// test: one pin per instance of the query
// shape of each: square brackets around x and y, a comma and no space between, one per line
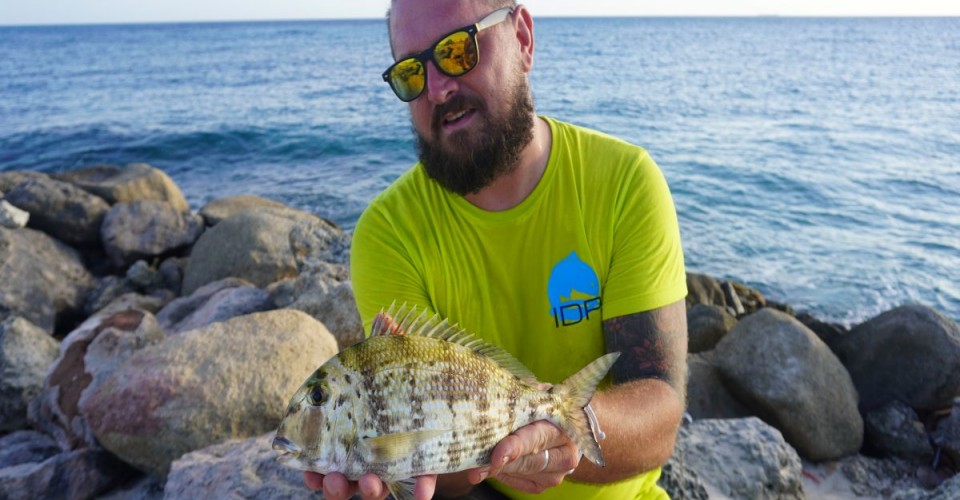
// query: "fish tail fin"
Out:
[579,389]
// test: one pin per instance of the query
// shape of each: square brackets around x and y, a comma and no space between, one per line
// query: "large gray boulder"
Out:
[323,291]
[9,180]
[707,396]
[26,352]
[61,210]
[784,373]
[228,380]
[261,247]
[145,229]
[740,458]
[217,301]
[41,279]
[235,469]
[137,181]
[87,356]
[223,208]
[909,354]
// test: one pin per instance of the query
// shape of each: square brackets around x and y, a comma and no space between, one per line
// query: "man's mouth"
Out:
[453,121]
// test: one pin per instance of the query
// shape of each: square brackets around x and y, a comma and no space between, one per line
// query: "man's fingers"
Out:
[425,488]
[336,487]
[313,480]
[371,487]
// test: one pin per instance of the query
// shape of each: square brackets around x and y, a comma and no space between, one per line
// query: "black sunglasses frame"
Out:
[429,53]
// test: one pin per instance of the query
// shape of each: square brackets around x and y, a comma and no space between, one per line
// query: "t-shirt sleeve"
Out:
[646,269]
[382,269]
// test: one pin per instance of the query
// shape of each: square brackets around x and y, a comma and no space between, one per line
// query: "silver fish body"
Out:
[423,397]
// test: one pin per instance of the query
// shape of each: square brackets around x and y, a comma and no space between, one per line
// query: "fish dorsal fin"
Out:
[408,322]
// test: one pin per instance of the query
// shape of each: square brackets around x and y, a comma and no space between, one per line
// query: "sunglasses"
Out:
[455,54]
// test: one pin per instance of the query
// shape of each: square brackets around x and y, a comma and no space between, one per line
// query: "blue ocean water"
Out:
[815,159]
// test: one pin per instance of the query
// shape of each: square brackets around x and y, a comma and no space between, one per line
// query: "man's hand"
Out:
[519,460]
[369,486]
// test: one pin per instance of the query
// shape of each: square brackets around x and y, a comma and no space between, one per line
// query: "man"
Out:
[555,242]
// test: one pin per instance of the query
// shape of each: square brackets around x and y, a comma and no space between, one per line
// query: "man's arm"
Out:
[640,413]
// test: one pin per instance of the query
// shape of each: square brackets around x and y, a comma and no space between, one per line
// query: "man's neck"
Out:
[509,190]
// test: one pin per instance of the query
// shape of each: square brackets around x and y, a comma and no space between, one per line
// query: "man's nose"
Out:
[439,86]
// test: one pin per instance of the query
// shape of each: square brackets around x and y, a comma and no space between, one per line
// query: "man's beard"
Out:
[470,162]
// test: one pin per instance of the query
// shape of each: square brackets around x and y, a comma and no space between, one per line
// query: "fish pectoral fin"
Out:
[402,490]
[390,447]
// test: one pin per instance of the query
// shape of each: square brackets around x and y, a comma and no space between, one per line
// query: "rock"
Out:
[25,353]
[895,430]
[254,246]
[679,479]
[9,180]
[740,458]
[707,397]
[135,182]
[76,474]
[829,333]
[41,279]
[142,276]
[235,469]
[107,289]
[171,273]
[24,447]
[706,325]
[218,210]
[946,434]
[191,391]
[948,490]
[144,229]
[316,242]
[217,301]
[702,289]
[88,355]
[145,488]
[909,354]
[61,210]
[780,369]
[324,293]
[12,217]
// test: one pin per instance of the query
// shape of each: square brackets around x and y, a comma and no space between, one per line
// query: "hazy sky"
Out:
[113,11]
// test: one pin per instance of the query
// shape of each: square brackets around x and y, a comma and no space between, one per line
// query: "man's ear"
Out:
[523,23]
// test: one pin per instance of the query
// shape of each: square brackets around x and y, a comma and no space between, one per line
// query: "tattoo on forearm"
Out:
[653,346]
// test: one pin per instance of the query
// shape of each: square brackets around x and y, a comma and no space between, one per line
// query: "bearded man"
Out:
[555,242]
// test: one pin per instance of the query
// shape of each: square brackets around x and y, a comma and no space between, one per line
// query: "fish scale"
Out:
[421,396]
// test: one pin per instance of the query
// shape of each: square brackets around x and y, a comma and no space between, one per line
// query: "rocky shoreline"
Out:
[147,351]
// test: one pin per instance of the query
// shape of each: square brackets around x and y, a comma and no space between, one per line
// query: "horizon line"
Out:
[562,16]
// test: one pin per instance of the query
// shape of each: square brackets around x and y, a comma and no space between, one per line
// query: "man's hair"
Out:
[492,4]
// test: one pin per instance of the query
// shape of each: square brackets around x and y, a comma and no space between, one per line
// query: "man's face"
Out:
[470,128]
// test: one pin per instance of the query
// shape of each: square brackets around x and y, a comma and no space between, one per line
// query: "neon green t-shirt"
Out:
[596,239]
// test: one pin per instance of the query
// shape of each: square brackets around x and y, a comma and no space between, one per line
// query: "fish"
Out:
[423,396]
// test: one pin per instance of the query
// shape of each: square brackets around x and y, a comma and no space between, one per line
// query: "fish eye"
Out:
[318,396]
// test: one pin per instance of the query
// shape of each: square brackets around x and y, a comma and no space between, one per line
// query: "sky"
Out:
[18,12]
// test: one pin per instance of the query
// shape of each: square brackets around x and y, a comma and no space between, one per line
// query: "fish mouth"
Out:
[286,447]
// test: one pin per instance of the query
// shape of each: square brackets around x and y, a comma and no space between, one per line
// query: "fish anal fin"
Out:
[402,490]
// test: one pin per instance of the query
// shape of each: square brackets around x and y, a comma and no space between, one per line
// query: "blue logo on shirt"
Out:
[573,290]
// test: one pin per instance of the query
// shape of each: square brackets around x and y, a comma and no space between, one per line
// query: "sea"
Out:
[814,159]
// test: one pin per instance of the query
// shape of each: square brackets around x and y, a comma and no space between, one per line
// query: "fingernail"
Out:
[483,475]
[506,460]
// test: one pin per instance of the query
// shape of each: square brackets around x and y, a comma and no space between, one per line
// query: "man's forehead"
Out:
[415,24]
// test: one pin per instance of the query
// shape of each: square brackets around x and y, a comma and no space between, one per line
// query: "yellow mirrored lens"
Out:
[456,54]
[407,77]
